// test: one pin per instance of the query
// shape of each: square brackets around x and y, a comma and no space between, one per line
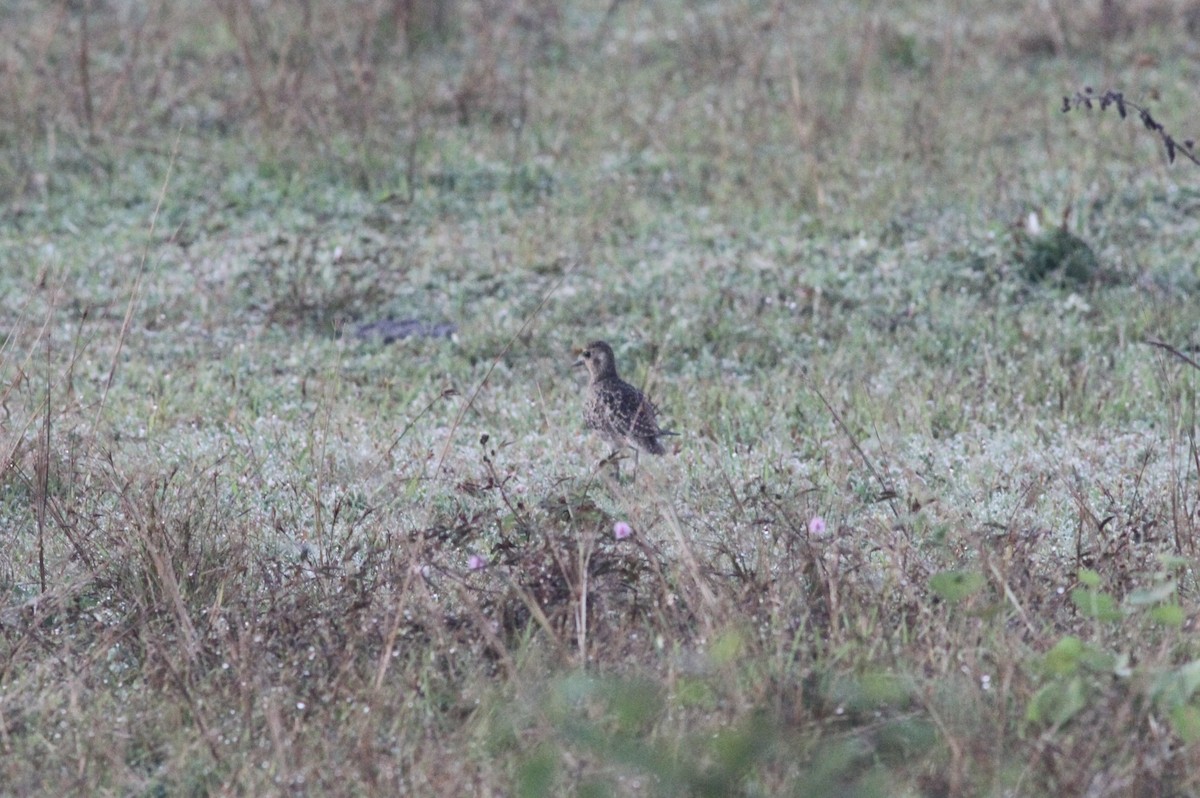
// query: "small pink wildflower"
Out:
[816,526]
[622,530]
[476,563]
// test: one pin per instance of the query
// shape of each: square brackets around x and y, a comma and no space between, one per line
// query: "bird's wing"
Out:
[638,412]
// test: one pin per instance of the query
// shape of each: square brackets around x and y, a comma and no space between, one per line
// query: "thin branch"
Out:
[1088,99]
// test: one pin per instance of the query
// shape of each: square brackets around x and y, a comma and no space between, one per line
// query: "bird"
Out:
[614,408]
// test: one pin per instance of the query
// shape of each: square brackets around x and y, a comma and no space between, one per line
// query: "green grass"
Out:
[237,539]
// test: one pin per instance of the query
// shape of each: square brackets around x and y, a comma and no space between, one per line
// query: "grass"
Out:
[238,540]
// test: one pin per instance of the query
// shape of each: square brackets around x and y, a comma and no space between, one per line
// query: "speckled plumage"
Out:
[614,408]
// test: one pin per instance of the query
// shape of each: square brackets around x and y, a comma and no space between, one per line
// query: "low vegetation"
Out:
[295,495]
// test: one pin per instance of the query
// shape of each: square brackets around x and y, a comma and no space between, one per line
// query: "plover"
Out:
[614,408]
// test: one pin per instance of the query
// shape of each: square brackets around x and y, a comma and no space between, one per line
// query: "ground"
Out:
[930,523]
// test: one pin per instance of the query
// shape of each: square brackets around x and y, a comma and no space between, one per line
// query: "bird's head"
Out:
[597,358]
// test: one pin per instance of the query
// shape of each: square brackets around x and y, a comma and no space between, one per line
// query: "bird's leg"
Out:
[613,460]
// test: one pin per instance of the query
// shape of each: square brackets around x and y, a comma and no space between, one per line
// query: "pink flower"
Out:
[816,526]
[622,530]
[476,563]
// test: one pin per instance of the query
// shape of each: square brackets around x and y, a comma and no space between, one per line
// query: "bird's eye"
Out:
[586,354]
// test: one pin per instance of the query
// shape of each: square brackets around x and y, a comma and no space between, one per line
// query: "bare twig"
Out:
[1088,99]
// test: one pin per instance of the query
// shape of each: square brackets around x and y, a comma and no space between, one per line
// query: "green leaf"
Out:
[535,776]
[1098,661]
[634,704]
[885,689]
[900,740]
[1063,659]
[1185,720]
[694,693]
[1173,562]
[1057,702]
[1100,606]
[954,586]
[1175,688]
[1151,595]
[873,690]
[736,750]
[1089,577]
[727,648]
[1169,615]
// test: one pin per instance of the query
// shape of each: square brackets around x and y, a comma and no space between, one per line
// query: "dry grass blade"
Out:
[529,319]
[1174,351]
[929,491]
[135,288]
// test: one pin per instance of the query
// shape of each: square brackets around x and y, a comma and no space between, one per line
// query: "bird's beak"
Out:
[578,358]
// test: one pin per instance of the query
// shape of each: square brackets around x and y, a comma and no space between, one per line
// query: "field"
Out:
[930,524]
